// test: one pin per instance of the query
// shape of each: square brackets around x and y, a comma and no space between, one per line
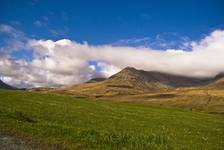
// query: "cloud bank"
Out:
[66,62]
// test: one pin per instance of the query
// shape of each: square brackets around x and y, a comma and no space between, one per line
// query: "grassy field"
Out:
[199,99]
[65,122]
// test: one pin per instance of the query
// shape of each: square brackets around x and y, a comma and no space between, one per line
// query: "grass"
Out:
[66,122]
[200,99]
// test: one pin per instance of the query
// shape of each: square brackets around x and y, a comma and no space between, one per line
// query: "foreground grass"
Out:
[65,122]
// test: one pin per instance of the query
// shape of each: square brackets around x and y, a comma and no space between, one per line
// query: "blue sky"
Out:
[55,43]
[100,21]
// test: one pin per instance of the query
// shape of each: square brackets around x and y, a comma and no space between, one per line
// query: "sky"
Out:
[57,43]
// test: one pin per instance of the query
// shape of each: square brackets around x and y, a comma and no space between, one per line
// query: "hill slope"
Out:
[155,79]
[131,81]
[5,86]
[218,82]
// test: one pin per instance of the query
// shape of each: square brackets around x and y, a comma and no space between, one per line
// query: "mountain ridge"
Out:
[165,78]
[131,81]
[3,85]
[219,81]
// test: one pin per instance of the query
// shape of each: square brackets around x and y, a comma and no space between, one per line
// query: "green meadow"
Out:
[55,121]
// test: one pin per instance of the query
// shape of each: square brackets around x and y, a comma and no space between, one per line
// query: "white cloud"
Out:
[42,22]
[65,62]
[10,31]
[58,32]
[12,39]
[174,51]
[38,23]
[108,69]
[160,41]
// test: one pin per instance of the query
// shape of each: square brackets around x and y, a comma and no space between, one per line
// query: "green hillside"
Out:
[65,122]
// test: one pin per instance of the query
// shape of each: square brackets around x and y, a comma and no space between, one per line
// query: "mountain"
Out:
[156,80]
[96,80]
[131,81]
[219,76]
[218,81]
[5,86]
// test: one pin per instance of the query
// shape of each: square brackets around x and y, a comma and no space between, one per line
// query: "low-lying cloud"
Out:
[65,62]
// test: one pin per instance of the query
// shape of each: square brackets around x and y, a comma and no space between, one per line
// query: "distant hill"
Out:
[96,80]
[131,81]
[219,76]
[5,86]
[153,79]
[218,81]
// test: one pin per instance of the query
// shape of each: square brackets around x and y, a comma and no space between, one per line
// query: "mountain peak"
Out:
[129,68]
[3,85]
[126,72]
[132,81]
[219,76]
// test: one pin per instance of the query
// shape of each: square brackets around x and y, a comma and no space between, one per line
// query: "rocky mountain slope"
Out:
[131,81]
[218,81]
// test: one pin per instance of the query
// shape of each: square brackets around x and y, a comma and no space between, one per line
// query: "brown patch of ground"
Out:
[11,143]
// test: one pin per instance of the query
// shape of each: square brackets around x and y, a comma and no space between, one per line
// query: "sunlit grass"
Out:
[78,123]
